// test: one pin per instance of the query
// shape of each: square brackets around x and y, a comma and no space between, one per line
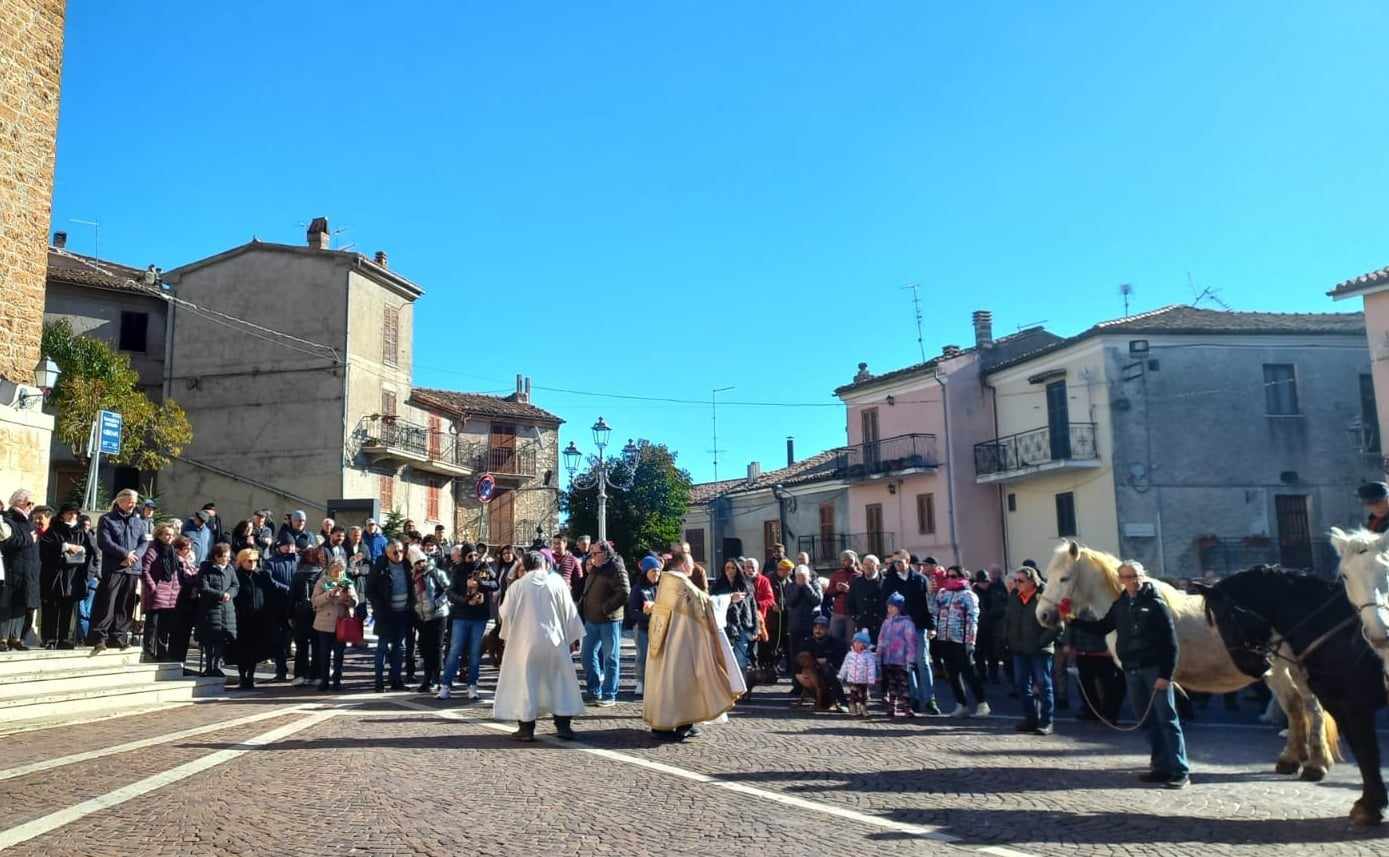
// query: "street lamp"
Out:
[600,475]
[46,374]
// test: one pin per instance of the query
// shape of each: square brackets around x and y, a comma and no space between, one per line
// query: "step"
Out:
[71,703]
[16,685]
[60,660]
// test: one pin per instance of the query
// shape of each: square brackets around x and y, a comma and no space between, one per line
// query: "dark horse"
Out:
[1258,609]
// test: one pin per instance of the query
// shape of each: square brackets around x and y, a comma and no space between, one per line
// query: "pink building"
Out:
[1373,288]
[911,452]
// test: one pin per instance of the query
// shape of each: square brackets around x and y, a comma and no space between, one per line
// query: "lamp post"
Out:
[600,475]
[45,378]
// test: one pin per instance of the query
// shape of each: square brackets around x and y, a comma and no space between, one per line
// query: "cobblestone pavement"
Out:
[282,770]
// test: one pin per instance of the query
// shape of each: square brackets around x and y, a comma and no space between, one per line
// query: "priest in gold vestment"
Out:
[691,676]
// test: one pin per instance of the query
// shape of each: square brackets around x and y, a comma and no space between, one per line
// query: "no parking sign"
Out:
[486,487]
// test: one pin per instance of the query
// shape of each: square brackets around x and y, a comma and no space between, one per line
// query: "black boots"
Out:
[562,729]
[526,732]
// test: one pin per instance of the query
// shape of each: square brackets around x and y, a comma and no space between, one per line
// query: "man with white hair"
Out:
[20,550]
[121,540]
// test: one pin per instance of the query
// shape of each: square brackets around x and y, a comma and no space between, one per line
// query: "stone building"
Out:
[111,302]
[31,43]
[314,409]
[1373,290]
[1197,441]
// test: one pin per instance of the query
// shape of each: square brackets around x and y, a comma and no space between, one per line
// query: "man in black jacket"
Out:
[900,577]
[1148,648]
[67,555]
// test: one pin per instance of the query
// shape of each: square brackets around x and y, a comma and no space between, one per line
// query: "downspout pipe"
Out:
[949,465]
[1002,504]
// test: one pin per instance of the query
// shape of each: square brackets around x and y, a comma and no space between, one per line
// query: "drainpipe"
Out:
[1002,501]
[949,466]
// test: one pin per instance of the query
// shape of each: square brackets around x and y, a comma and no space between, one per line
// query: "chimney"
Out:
[790,451]
[528,388]
[319,236]
[60,240]
[754,470]
[983,329]
[520,386]
[949,351]
[863,374]
[381,258]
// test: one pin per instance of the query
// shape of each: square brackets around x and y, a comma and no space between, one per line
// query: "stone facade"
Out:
[31,60]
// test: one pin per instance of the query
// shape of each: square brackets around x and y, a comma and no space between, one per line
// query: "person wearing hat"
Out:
[199,534]
[828,652]
[67,556]
[773,653]
[281,564]
[261,532]
[899,647]
[859,671]
[214,523]
[638,618]
[297,527]
[374,540]
[148,509]
[1374,496]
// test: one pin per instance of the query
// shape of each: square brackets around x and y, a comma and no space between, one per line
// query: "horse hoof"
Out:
[1313,774]
[1364,817]
[1286,767]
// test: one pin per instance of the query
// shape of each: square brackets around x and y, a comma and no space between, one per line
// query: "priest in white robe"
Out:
[539,623]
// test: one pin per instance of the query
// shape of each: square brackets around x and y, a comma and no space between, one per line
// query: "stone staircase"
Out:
[60,685]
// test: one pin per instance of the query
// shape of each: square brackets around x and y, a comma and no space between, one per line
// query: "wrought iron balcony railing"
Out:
[385,432]
[505,460]
[889,455]
[826,550]
[1035,448]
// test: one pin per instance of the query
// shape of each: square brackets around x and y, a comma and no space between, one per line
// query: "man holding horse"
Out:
[1374,496]
[1147,647]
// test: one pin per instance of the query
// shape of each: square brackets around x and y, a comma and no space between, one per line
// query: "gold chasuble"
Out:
[687,676]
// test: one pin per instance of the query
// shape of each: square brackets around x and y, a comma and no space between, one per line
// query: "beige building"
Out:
[1373,290]
[314,409]
[31,42]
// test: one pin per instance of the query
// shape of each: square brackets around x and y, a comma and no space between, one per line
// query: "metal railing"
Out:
[1034,448]
[827,550]
[505,460]
[889,455]
[382,430]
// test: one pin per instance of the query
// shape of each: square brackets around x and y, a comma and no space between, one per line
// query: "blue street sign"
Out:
[109,432]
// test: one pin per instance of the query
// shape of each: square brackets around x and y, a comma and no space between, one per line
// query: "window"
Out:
[388,403]
[436,438]
[1280,389]
[771,535]
[1012,502]
[873,514]
[926,514]
[387,491]
[431,501]
[1369,415]
[827,540]
[696,540]
[134,335]
[1066,514]
[390,336]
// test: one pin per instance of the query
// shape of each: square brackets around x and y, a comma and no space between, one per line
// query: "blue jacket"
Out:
[201,538]
[118,535]
[281,568]
[375,543]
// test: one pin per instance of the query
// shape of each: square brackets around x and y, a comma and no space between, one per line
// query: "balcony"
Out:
[824,551]
[388,439]
[1028,453]
[901,455]
[505,461]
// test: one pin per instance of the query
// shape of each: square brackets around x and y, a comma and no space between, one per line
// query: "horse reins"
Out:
[1270,649]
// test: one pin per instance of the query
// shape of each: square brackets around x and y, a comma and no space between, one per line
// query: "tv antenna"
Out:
[916,305]
[714,405]
[1126,292]
[332,234]
[96,227]
[1209,293]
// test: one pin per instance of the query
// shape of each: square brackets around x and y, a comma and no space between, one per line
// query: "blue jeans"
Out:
[1030,670]
[643,638]
[390,635]
[466,632]
[84,612]
[741,642]
[601,677]
[1164,729]
[919,677]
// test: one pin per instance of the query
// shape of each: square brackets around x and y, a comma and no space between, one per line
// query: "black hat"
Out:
[930,560]
[1031,563]
[69,507]
[284,538]
[1373,492]
[466,548]
[207,506]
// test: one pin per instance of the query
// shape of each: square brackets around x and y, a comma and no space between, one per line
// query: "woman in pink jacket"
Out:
[161,572]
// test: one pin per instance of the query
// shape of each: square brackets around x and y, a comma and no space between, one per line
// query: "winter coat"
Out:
[61,578]
[432,594]
[957,616]
[328,606]
[466,606]
[20,590]
[301,592]
[1025,634]
[201,537]
[840,600]
[281,568]
[161,577]
[120,534]
[643,592]
[379,587]
[303,539]
[899,644]
[868,603]
[917,594]
[828,648]
[216,619]
[257,622]
[375,544]
[859,668]
[1147,636]
[801,603]
[741,618]
[606,588]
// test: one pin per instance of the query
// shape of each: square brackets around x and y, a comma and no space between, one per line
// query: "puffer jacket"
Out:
[898,642]
[161,577]
[329,606]
[1025,634]
[957,615]
[216,618]
[1147,634]
[431,593]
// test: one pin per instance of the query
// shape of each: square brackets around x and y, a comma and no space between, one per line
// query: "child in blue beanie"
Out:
[898,647]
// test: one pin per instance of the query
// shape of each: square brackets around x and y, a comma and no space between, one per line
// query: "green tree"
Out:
[394,525]
[645,516]
[96,377]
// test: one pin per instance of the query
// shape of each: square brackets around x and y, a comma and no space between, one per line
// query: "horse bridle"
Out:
[1276,640]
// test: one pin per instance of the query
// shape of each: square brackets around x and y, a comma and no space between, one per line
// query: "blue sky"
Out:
[654,199]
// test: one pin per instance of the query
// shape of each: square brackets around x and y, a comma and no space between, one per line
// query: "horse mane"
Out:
[1269,586]
[1107,563]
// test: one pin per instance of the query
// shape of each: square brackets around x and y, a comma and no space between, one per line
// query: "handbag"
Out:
[349,630]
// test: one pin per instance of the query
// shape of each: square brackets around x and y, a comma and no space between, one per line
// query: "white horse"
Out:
[1365,571]
[1082,581]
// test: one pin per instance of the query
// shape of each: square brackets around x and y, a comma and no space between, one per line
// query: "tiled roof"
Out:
[1364,281]
[1004,348]
[1189,320]
[823,465]
[480,404]
[66,267]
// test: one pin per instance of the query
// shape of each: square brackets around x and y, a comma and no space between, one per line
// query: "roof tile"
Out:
[481,404]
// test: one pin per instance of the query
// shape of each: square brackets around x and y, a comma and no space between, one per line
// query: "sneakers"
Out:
[931,709]
[444,692]
[1177,782]
[982,710]
[472,692]
[960,711]
[606,703]
[1045,730]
